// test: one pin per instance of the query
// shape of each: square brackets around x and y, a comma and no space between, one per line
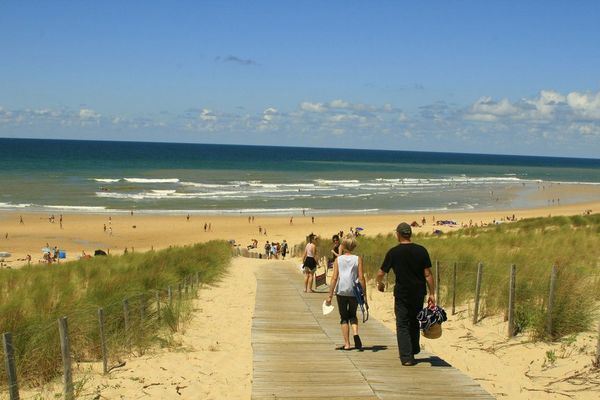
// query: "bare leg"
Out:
[306,275]
[355,329]
[346,335]
[310,282]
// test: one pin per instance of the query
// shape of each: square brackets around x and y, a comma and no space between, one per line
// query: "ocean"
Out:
[102,176]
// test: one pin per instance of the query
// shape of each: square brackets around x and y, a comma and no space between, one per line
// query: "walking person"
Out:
[412,268]
[347,269]
[309,262]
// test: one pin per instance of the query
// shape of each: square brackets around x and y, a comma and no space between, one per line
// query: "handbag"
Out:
[430,321]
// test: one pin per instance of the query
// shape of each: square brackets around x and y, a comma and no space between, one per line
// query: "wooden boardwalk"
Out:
[295,356]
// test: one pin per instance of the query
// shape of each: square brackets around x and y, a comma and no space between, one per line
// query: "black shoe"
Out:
[357,342]
[409,363]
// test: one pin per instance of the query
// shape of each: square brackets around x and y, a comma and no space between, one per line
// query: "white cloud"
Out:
[585,129]
[486,109]
[207,115]
[586,105]
[312,107]
[87,114]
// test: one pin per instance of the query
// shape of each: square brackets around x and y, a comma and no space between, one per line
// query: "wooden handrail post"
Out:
[437,281]
[103,341]
[157,305]
[477,293]
[511,301]
[549,322]
[454,289]
[65,347]
[11,371]
[598,348]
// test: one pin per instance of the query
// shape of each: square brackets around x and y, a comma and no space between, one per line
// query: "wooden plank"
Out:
[295,357]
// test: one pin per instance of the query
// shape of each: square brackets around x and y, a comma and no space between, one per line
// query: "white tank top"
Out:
[348,274]
[309,250]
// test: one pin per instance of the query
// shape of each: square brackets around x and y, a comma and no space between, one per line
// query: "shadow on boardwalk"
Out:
[295,357]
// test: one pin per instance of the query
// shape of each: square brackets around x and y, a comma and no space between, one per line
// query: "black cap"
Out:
[404,229]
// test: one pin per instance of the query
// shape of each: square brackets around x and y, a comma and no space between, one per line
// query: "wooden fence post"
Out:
[454,289]
[549,311]
[66,357]
[437,281]
[126,315]
[103,341]
[157,305]
[9,360]
[142,311]
[598,348]
[511,300]
[477,293]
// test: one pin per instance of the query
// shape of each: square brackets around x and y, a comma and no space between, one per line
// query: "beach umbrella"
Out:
[99,253]
[358,229]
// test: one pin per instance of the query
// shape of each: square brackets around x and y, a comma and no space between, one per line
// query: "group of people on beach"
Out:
[413,280]
[276,249]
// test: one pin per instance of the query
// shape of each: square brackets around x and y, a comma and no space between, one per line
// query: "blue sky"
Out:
[506,77]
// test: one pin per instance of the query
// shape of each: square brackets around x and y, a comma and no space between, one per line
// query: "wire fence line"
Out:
[93,334]
[527,296]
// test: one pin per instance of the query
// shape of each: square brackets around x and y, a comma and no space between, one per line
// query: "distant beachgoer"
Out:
[21,220]
[284,249]
[412,268]
[313,219]
[335,251]
[267,250]
[249,218]
[259,229]
[309,262]
[205,226]
[347,269]
[104,227]
[210,227]
[291,220]
[6,236]
[110,231]
[187,218]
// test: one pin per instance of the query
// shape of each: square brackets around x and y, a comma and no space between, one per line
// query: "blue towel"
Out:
[359,293]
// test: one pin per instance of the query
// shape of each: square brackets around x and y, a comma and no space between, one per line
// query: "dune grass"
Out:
[33,298]
[534,246]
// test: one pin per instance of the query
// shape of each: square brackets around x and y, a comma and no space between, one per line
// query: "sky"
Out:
[499,77]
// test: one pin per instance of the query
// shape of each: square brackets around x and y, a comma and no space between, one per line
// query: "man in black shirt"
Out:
[412,267]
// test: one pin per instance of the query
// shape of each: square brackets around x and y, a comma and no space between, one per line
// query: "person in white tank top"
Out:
[347,269]
[309,262]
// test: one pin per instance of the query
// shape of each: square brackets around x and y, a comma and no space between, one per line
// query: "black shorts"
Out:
[310,263]
[347,305]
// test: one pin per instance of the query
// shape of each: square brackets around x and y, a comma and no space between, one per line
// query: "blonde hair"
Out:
[349,242]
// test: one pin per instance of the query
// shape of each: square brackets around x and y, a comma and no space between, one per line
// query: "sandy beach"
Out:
[79,233]
[214,351]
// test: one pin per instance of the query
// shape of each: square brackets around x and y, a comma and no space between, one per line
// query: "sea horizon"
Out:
[96,176]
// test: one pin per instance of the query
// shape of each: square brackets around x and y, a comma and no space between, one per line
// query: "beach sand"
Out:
[214,358]
[140,232]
